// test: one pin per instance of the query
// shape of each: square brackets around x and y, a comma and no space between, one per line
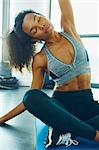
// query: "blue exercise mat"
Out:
[41,132]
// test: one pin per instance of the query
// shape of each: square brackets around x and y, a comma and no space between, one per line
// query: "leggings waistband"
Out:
[84,92]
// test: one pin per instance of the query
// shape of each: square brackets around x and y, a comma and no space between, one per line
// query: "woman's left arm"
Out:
[67,18]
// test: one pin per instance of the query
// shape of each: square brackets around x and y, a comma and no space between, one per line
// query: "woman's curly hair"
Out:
[21,46]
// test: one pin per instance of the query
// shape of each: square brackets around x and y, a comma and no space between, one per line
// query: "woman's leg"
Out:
[42,106]
[94,122]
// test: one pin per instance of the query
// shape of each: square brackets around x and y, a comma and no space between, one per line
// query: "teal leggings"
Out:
[74,112]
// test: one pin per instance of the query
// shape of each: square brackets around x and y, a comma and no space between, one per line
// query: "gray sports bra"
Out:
[61,72]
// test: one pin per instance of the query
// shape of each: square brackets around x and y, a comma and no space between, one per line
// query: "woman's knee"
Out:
[31,97]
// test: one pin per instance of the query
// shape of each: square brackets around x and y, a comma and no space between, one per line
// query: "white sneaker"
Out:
[54,139]
[65,139]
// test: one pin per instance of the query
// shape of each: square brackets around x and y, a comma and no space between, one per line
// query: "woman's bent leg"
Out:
[44,108]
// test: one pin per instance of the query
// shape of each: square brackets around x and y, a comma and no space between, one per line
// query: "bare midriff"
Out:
[80,82]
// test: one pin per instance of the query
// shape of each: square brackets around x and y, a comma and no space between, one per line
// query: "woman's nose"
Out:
[43,26]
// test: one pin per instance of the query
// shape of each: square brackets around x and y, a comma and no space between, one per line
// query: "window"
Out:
[86,15]
[0,29]
[16,6]
[92,46]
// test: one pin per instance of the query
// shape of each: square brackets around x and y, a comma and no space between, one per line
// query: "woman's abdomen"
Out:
[78,83]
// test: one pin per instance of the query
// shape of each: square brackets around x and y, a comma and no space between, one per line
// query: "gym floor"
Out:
[19,132]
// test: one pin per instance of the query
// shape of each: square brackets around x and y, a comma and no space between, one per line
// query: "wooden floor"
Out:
[19,132]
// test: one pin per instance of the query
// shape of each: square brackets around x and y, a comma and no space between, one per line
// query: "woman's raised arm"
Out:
[67,17]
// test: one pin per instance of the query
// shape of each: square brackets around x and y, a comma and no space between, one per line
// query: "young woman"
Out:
[71,110]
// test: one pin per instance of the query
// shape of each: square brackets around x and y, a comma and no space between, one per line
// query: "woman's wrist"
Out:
[1,121]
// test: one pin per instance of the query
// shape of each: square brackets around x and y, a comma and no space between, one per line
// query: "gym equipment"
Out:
[9,83]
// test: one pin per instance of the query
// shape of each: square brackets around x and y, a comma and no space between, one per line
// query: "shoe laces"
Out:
[65,139]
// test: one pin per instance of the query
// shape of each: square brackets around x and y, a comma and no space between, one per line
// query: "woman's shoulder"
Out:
[39,58]
[40,53]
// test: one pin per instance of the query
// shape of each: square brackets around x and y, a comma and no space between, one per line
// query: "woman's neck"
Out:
[54,38]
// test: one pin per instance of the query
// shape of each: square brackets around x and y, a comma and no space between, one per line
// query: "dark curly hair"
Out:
[21,46]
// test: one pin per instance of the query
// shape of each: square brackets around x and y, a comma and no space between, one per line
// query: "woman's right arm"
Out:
[37,83]
[38,72]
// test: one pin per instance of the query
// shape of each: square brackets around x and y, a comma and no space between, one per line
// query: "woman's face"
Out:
[37,26]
